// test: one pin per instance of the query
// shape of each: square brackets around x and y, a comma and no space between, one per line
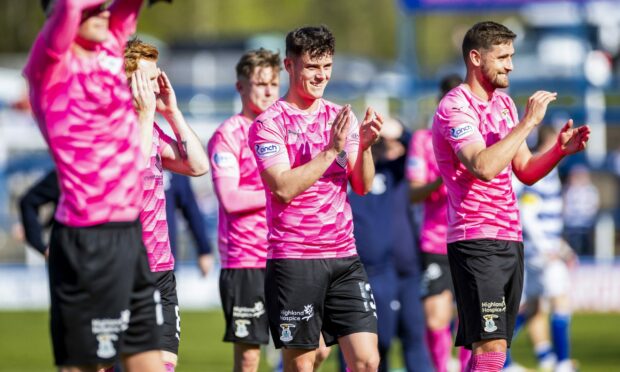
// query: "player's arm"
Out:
[225,176]
[61,27]
[531,168]
[485,163]
[144,104]
[364,167]
[417,170]
[45,191]
[286,183]
[124,17]
[185,155]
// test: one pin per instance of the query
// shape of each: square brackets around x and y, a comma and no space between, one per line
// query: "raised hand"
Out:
[537,106]
[572,140]
[166,100]
[370,129]
[143,94]
[340,129]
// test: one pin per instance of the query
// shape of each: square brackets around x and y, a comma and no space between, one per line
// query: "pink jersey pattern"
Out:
[153,215]
[84,110]
[242,237]
[476,209]
[318,223]
[422,167]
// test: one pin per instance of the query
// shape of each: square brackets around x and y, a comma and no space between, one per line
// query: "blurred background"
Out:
[389,54]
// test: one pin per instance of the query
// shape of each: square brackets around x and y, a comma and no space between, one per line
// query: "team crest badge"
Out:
[105,349]
[489,324]
[286,335]
[506,116]
[241,328]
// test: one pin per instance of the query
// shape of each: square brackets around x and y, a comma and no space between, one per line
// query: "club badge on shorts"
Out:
[286,335]
[489,324]
[241,328]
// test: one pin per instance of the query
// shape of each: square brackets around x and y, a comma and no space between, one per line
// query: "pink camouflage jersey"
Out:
[153,214]
[242,237]
[84,109]
[422,167]
[476,209]
[318,222]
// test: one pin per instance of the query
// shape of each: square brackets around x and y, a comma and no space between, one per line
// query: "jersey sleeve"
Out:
[268,144]
[417,166]
[457,123]
[124,19]
[222,156]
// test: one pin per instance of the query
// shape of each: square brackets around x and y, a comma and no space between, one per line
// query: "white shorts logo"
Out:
[224,159]
[266,150]
[241,328]
[489,324]
[286,335]
[106,349]
[462,131]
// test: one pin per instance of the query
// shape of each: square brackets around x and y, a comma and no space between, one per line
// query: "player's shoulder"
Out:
[456,100]
[272,117]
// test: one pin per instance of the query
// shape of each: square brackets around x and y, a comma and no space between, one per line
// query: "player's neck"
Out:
[85,47]
[478,88]
[301,103]
[248,113]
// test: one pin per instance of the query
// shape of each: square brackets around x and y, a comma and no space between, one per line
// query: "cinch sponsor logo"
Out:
[265,150]
[461,131]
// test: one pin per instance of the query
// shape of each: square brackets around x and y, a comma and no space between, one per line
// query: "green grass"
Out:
[25,346]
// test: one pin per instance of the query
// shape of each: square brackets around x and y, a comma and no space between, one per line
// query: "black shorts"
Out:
[308,297]
[103,297]
[166,283]
[243,300]
[436,278]
[488,281]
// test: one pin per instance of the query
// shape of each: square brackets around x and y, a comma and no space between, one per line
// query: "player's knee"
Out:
[321,354]
[250,359]
[370,363]
[300,365]
[169,358]
[490,346]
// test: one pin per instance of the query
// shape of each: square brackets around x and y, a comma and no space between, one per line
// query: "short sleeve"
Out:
[222,156]
[417,167]
[457,123]
[268,144]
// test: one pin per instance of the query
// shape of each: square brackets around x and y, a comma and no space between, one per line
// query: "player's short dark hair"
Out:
[257,58]
[484,35]
[449,82]
[317,41]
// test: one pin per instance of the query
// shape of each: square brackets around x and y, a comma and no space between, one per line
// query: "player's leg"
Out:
[246,357]
[557,281]
[295,293]
[92,274]
[350,315]
[322,353]
[171,330]
[488,280]
[243,302]
[141,341]
[438,309]
[411,324]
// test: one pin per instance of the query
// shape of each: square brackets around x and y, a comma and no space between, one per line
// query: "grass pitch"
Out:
[25,344]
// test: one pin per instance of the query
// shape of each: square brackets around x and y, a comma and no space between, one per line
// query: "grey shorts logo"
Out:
[489,324]
[241,328]
[286,335]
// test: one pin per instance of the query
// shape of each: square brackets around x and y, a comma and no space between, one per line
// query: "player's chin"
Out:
[502,82]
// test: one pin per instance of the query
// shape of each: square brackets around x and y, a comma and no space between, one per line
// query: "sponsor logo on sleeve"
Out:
[266,150]
[462,131]
[224,159]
